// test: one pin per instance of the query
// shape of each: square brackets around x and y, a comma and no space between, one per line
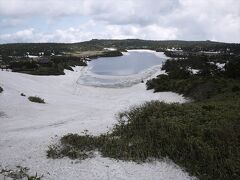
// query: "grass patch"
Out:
[74,147]
[36,99]
[202,137]
[19,173]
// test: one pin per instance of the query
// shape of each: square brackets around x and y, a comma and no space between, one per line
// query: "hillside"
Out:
[20,49]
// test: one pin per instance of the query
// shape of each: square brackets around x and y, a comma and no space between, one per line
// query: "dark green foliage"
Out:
[209,145]
[35,68]
[16,52]
[69,68]
[204,63]
[18,66]
[19,173]
[181,73]
[36,99]
[233,68]
[1,89]
[75,147]
[111,54]
[202,137]
[161,83]
[68,61]
[235,88]
[194,87]
[21,49]
[46,66]
[209,81]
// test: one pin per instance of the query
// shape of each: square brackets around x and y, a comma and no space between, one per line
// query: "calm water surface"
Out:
[124,71]
[131,63]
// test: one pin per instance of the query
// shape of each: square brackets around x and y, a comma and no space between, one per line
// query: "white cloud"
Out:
[148,19]
[32,35]
[153,32]
[148,32]
[20,36]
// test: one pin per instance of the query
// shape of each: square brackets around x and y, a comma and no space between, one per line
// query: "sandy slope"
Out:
[27,128]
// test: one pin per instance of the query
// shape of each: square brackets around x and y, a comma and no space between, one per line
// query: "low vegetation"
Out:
[18,173]
[111,54]
[20,49]
[201,136]
[210,80]
[15,56]
[53,65]
[46,66]
[198,89]
[36,99]
[75,147]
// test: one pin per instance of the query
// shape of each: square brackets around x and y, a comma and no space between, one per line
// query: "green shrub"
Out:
[111,54]
[203,137]
[74,147]
[36,99]
[235,89]
[196,88]
[19,173]
[233,68]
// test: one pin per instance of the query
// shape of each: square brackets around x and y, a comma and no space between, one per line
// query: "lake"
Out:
[130,63]
[123,71]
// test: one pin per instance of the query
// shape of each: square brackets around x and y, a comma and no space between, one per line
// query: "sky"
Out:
[82,20]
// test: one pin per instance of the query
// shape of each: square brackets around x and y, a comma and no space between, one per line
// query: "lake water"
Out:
[132,62]
[124,71]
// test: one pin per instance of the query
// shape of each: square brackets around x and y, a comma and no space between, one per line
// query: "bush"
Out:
[196,88]
[19,173]
[1,89]
[235,89]
[204,138]
[74,147]
[233,69]
[111,54]
[36,99]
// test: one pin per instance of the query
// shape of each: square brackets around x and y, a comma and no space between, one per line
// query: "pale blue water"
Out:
[123,71]
[132,63]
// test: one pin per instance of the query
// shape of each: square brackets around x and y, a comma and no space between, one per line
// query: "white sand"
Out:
[28,128]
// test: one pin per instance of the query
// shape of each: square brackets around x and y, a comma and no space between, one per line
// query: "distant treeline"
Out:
[20,49]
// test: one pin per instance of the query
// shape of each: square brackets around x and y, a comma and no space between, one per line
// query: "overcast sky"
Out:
[80,20]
